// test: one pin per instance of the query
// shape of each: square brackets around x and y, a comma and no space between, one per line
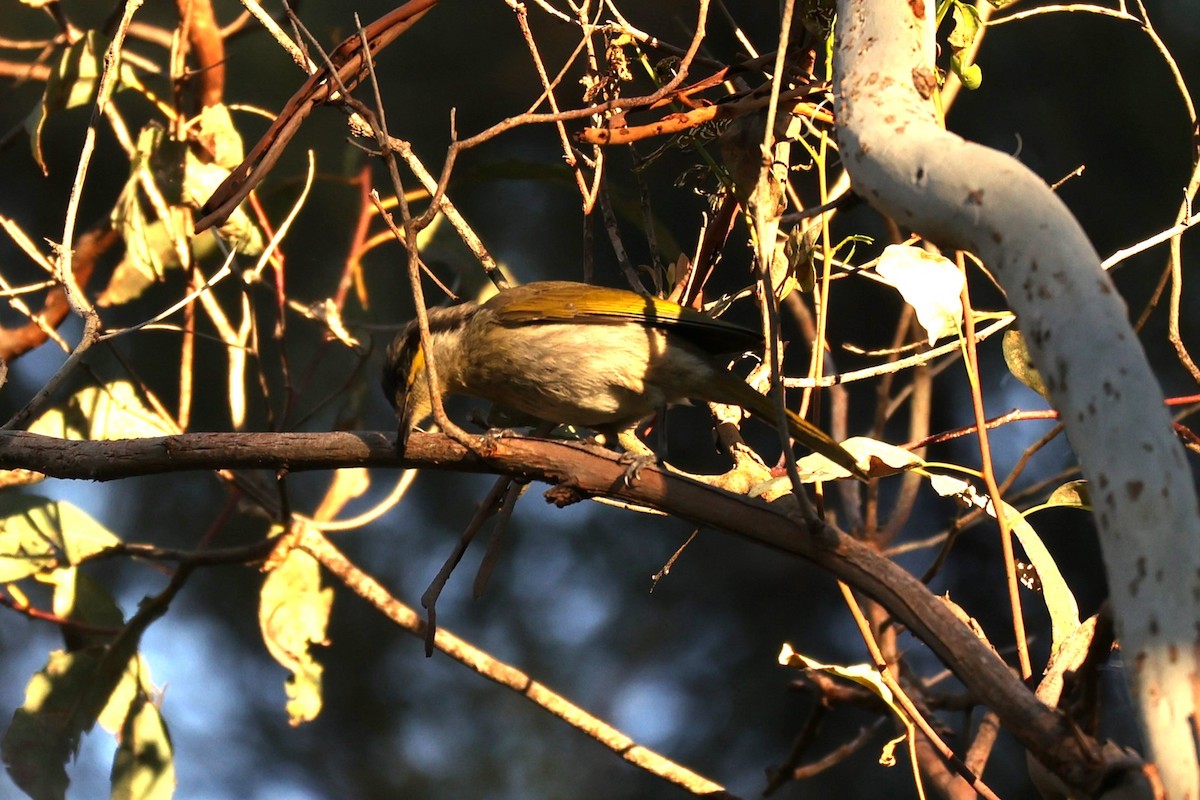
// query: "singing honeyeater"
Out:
[584,355]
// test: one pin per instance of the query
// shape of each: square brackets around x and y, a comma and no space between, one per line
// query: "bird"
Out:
[577,354]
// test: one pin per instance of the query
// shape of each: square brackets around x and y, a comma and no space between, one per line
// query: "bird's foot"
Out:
[637,456]
[634,464]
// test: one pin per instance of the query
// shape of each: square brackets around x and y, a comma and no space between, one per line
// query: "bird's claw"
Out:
[634,464]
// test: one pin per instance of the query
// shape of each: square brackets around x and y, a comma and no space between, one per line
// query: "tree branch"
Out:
[578,471]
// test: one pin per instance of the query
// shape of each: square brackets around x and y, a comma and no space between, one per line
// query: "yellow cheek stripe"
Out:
[415,369]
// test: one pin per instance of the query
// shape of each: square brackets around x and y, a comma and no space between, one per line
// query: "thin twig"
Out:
[414,260]
[989,478]
[905,703]
[62,265]
[504,674]
[548,92]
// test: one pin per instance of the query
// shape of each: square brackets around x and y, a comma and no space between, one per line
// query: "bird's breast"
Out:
[582,373]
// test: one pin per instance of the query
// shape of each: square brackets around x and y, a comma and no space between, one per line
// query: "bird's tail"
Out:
[735,391]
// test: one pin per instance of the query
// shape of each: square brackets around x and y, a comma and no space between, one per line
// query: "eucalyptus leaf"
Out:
[38,534]
[73,82]
[293,615]
[1020,363]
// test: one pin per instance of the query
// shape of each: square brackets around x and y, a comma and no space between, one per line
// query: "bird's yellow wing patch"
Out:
[565,301]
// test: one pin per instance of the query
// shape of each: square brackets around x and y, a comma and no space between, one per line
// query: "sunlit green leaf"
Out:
[112,411]
[80,599]
[44,733]
[293,614]
[874,457]
[72,83]
[134,681]
[864,675]
[150,248]
[966,26]
[217,135]
[62,702]
[200,181]
[38,535]
[930,283]
[970,74]
[1059,599]
[144,764]
[867,676]
[962,35]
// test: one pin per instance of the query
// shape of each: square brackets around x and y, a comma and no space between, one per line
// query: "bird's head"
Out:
[404,369]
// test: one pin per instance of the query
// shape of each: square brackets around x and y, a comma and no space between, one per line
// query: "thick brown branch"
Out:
[579,471]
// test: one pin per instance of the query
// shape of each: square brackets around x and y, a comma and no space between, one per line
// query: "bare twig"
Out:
[64,271]
[989,478]
[504,674]
[904,702]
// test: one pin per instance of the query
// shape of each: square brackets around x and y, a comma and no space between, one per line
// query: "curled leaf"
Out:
[72,83]
[930,283]
[1020,363]
[293,615]
[1059,599]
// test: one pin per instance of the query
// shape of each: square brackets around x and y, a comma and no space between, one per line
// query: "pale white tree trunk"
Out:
[963,195]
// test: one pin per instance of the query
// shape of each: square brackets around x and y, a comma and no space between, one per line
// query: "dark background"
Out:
[689,669]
